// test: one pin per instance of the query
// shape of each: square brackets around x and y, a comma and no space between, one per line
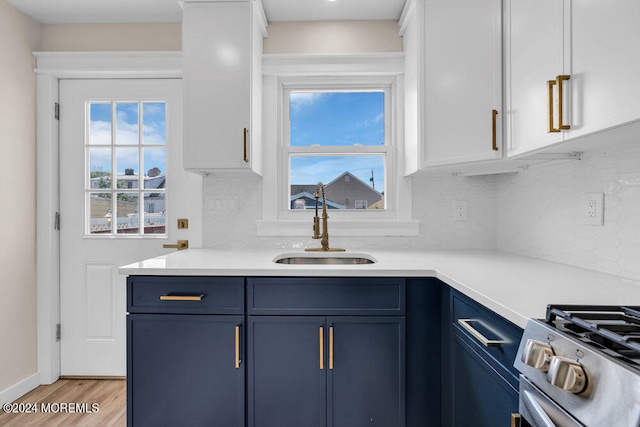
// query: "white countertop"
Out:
[514,286]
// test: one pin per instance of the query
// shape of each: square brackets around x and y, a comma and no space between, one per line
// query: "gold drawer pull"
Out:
[494,130]
[559,81]
[321,348]
[466,325]
[168,297]
[238,361]
[331,347]
[550,85]
[245,158]
[515,420]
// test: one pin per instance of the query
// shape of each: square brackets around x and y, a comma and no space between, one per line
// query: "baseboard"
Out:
[20,389]
[91,377]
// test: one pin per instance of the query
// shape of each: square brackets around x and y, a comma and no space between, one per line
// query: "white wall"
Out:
[112,37]
[541,212]
[432,204]
[19,35]
[335,37]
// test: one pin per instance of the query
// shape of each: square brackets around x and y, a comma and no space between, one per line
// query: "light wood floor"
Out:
[109,395]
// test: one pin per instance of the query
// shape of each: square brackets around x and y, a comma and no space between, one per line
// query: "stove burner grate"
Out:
[616,328]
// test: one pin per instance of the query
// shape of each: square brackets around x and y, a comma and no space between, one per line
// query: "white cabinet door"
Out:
[605,64]
[535,53]
[463,80]
[453,82]
[220,48]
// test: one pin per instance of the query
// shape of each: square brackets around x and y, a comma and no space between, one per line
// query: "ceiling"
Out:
[129,11]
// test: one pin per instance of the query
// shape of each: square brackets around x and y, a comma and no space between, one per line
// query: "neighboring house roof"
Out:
[341,177]
[310,200]
[150,182]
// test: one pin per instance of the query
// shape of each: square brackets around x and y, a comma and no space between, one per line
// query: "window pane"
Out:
[127,167]
[100,215]
[99,123]
[154,213]
[127,123]
[347,180]
[336,118]
[154,164]
[100,167]
[154,123]
[127,213]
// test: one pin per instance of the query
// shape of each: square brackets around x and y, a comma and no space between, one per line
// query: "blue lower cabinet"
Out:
[481,397]
[286,384]
[314,371]
[480,387]
[366,376]
[185,370]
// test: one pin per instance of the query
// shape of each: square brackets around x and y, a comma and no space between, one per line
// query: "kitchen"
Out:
[535,212]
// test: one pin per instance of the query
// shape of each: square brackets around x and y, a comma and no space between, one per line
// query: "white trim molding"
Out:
[20,389]
[383,69]
[52,67]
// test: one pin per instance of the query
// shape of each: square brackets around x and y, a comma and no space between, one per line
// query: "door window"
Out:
[125,177]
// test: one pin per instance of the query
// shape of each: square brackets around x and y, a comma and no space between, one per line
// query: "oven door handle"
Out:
[540,417]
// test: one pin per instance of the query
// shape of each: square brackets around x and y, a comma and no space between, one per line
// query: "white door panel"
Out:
[104,224]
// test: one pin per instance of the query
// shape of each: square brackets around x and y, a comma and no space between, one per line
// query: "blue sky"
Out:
[336,119]
[322,118]
[127,133]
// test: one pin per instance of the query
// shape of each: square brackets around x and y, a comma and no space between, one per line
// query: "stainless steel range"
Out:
[581,367]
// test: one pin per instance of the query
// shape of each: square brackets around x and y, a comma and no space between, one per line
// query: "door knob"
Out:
[182,244]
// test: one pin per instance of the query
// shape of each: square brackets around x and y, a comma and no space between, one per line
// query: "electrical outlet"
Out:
[593,209]
[460,208]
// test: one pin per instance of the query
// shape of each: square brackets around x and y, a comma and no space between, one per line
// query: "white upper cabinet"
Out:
[572,70]
[222,53]
[453,82]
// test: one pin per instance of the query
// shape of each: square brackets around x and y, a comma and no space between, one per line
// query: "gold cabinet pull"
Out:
[330,347]
[494,131]
[321,348]
[550,85]
[466,325]
[246,158]
[238,361]
[559,81]
[180,245]
[515,420]
[169,297]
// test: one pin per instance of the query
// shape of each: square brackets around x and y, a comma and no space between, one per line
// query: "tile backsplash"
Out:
[433,200]
[539,212]
[542,211]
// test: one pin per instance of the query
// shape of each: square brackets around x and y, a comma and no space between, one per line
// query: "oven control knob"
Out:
[537,354]
[567,374]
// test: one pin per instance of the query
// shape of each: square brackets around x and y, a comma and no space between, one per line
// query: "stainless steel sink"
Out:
[323,258]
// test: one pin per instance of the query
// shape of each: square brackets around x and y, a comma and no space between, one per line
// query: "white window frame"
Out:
[283,73]
[387,150]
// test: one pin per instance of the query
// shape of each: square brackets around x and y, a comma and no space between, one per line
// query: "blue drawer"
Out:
[326,296]
[474,322]
[185,295]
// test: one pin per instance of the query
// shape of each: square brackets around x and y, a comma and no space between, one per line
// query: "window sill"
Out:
[337,227]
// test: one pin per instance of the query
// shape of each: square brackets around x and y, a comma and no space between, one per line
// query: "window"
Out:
[123,139]
[338,136]
[351,138]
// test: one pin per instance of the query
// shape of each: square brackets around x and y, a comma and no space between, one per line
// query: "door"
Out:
[463,80]
[366,385]
[481,397]
[184,371]
[120,171]
[287,365]
[536,52]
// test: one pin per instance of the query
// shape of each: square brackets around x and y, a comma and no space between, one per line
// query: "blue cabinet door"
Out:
[286,374]
[366,381]
[182,370]
[481,396]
